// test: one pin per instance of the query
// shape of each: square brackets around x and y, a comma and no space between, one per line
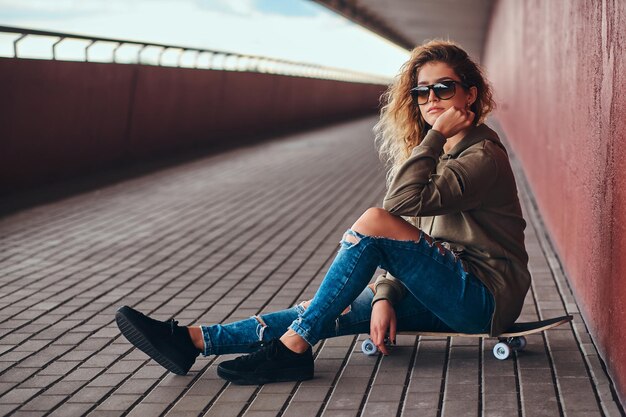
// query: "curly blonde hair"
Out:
[401,126]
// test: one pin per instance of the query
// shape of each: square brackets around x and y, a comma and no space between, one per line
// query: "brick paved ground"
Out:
[227,236]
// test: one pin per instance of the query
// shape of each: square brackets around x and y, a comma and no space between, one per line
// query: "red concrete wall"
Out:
[62,119]
[559,71]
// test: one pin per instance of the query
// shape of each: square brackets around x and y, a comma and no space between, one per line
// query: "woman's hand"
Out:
[383,318]
[453,120]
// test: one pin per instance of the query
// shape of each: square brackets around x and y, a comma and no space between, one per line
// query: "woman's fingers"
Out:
[380,343]
[383,319]
[378,338]
[453,120]
[392,329]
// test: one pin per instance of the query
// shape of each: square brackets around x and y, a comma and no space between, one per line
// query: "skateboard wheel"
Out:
[368,347]
[518,343]
[501,351]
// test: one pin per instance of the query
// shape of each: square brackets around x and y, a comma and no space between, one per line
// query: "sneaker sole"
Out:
[136,337]
[286,375]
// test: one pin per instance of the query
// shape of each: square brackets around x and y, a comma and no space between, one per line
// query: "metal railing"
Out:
[230,61]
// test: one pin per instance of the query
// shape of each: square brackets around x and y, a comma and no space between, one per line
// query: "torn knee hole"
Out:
[305,305]
[260,329]
[350,238]
[431,242]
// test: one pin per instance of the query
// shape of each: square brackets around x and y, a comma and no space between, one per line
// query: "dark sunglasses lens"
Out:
[444,90]
[420,94]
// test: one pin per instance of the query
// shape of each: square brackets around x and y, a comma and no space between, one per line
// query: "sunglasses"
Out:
[444,90]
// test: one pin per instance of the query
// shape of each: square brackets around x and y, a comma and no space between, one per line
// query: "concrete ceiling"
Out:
[409,22]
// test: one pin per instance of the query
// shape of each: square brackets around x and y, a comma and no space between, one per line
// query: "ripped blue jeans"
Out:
[441,296]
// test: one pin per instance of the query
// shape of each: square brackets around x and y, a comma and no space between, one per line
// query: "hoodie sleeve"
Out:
[417,189]
[388,288]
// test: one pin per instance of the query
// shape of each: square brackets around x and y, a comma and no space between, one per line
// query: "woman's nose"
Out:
[432,96]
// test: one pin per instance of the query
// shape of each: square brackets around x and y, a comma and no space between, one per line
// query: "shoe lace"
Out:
[267,350]
[173,325]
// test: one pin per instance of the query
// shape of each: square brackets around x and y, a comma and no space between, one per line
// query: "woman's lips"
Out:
[435,109]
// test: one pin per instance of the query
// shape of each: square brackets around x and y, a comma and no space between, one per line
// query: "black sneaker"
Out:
[164,341]
[273,362]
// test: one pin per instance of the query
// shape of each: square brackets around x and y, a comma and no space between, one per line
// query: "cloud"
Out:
[240,7]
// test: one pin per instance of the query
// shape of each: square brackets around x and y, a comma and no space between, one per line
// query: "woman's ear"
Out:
[472,96]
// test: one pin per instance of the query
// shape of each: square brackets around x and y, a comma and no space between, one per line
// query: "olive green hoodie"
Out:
[467,200]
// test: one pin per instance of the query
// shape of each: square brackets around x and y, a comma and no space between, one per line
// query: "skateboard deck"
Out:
[512,339]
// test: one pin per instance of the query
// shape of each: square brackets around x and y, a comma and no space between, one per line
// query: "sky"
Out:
[298,30]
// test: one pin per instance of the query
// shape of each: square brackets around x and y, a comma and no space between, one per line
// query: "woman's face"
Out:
[432,73]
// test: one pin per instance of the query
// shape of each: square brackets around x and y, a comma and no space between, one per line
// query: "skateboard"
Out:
[512,339]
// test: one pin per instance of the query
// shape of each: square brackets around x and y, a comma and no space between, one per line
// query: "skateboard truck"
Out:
[502,349]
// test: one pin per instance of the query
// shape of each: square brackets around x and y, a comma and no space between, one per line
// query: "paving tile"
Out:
[422,400]
[382,409]
[499,384]
[385,393]
[18,395]
[82,374]
[5,409]
[136,386]
[224,410]
[107,380]
[239,394]
[18,374]
[40,381]
[145,409]
[499,412]
[351,385]
[191,403]
[459,408]
[268,402]
[6,386]
[117,402]
[64,387]
[43,403]
[206,387]
[301,409]
[282,388]
[344,400]
[539,398]
[501,401]
[105,413]
[29,413]
[89,395]
[612,410]
[311,393]
[71,409]
[577,394]
[259,413]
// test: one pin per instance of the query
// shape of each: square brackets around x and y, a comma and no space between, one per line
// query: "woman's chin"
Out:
[431,120]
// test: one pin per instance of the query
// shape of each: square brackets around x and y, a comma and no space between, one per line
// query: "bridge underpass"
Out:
[225,236]
[163,234]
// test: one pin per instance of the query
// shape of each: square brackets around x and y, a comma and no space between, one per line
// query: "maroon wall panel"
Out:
[559,71]
[172,107]
[61,119]
[247,103]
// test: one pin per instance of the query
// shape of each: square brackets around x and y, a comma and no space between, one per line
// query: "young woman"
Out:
[459,263]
